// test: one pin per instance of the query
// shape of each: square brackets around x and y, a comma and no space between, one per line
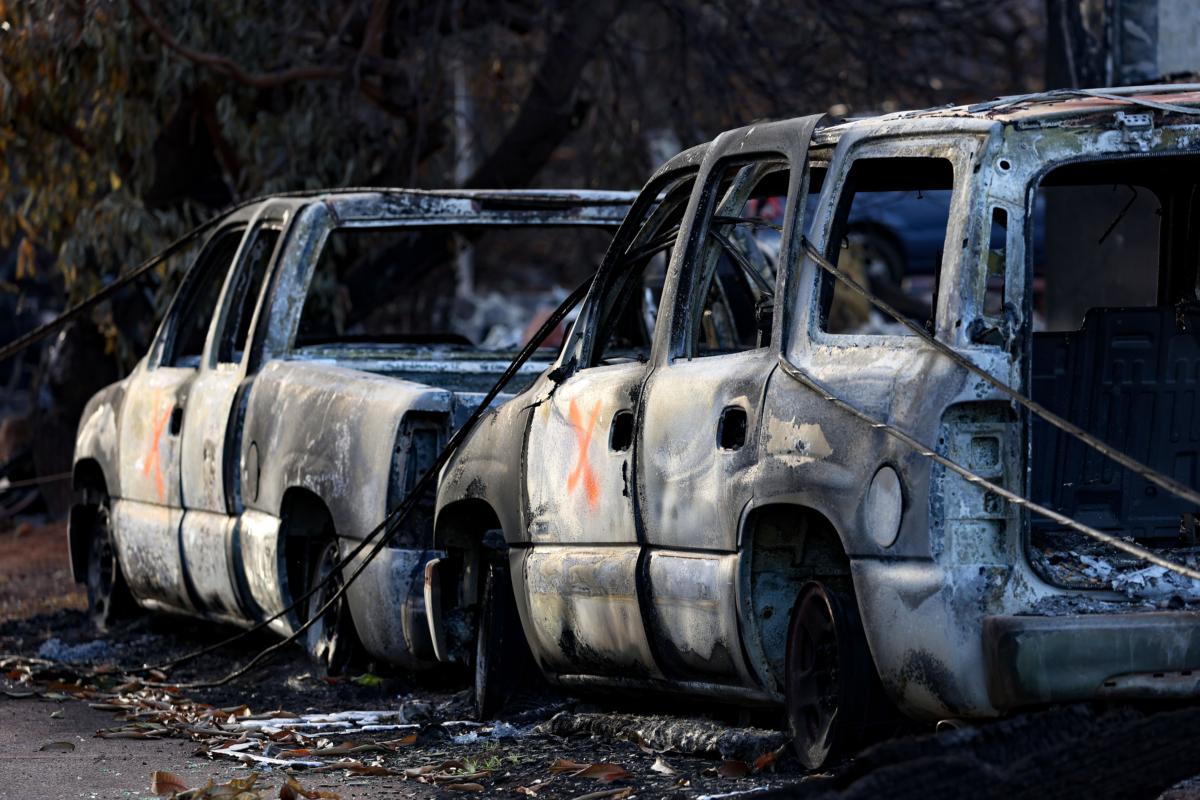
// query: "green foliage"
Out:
[125,122]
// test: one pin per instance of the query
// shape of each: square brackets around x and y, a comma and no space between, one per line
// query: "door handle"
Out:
[621,436]
[176,420]
[731,430]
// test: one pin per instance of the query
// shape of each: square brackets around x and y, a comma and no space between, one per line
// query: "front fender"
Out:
[97,439]
[489,467]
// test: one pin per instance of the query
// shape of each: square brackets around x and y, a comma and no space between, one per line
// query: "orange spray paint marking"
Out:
[152,459]
[583,468]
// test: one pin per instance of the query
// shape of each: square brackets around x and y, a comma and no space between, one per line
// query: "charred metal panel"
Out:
[332,431]
[147,537]
[694,622]
[207,550]
[693,489]
[98,437]
[923,625]
[206,417]
[388,605]
[259,559]
[1038,660]
[580,488]
[584,614]
[485,469]
[149,471]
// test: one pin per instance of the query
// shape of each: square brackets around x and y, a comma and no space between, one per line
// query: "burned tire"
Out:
[833,691]
[109,598]
[331,641]
[502,658]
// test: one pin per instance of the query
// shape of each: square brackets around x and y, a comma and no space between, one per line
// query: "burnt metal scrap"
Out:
[823,437]
[688,516]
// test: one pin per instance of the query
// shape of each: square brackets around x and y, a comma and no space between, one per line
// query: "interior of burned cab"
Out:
[465,285]
[1115,348]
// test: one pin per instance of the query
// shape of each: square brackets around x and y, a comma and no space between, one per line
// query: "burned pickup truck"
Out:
[317,355]
[744,480]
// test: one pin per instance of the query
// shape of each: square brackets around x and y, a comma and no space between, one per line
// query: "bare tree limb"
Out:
[230,68]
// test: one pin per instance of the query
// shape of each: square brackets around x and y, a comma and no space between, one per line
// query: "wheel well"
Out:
[788,545]
[462,525]
[306,526]
[88,482]
[461,531]
[88,475]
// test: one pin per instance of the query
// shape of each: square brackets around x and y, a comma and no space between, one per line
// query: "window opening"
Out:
[248,281]
[738,262]
[629,304]
[889,235]
[995,265]
[195,313]
[378,287]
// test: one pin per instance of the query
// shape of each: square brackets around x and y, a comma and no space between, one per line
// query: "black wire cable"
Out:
[42,331]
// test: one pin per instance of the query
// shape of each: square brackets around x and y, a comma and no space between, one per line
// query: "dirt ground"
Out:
[65,734]
[35,571]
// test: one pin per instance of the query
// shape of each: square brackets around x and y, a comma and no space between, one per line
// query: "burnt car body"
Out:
[687,516]
[225,474]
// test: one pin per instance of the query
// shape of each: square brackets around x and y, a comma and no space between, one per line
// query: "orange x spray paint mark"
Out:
[583,468]
[153,462]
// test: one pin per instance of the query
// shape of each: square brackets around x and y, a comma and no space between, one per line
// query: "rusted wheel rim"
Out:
[102,566]
[815,675]
[324,634]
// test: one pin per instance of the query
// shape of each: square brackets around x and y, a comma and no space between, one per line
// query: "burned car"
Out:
[317,355]
[744,481]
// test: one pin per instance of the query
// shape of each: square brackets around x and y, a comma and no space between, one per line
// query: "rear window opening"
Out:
[1116,350]
[476,288]
[890,228]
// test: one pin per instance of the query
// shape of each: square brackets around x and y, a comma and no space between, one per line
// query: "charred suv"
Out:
[744,480]
[318,352]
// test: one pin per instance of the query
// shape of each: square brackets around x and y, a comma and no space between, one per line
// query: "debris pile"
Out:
[1078,562]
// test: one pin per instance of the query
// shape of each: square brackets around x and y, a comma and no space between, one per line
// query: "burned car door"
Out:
[699,448]
[147,515]
[580,572]
[211,431]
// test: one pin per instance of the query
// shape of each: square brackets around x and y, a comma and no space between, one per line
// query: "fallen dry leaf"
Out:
[463,787]
[662,767]
[401,742]
[599,771]
[357,767]
[766,760]
[57,747]
[613,794]
[605,773]
[164,783]
[733,769]
[292,790]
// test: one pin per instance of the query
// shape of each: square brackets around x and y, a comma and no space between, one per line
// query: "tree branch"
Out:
[230,68]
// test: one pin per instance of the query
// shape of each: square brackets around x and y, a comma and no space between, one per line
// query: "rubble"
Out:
[694,736]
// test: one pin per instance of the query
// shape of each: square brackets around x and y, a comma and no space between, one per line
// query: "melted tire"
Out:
[109,598]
